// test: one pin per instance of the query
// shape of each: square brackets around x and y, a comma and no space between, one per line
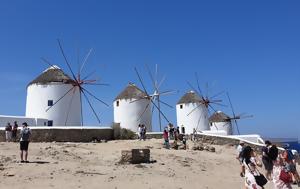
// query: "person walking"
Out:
[8,132]
[14,131]
[166,138]
[239,157]
[24,142]
[267,161]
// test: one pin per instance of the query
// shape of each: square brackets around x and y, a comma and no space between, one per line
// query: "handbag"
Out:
[285,176]
[260,180]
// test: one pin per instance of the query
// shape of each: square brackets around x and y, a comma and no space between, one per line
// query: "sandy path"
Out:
[91,165]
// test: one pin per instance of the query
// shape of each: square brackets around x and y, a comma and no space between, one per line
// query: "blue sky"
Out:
[249,48]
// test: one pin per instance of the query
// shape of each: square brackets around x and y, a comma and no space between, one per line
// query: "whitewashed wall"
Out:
[127,114]
[37,103]
[191,121]
[4,119]
[222,126]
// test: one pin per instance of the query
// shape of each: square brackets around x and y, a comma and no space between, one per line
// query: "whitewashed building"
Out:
[4,119]
[192,113]
[43,93]
[220,122]
[129,106]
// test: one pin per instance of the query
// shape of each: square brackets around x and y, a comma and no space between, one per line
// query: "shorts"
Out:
[268,164]
[24,145]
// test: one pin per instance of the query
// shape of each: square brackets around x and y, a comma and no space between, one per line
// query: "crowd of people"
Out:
[279,165]
[24,138]
[11,132]
[173,133]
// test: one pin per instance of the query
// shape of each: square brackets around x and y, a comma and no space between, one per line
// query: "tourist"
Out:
[14,131]
[166,138]
[281,178]
[143,132]
[193,136]
[24,142]
[290,164]
[253,178]
[239,157]
[8,132]
[267,161]
[171,130]
[139,132]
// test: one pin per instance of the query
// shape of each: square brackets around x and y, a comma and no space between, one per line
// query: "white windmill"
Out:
[58,97]
[128,107]
[193,109]
[219,121]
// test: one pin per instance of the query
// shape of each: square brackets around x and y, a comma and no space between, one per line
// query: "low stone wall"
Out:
[67,134]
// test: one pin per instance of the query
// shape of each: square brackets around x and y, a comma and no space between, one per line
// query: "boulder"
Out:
[135,156]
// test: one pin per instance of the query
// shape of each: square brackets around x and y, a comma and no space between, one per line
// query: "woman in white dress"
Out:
[251,163]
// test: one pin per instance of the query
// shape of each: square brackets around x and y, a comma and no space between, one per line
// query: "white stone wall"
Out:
[127,114]
[191,121]
[37,103]
[222,126]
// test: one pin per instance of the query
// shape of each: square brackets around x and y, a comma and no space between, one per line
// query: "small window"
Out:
[50,102]
[45,123]
[181,106]
[118,103]
[50,123]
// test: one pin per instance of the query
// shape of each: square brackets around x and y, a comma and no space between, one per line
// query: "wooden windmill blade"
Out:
[154,81]
[155,98]
[234,115]
[66,60]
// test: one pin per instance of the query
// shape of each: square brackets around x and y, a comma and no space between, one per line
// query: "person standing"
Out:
[144,131]
[8,132]
[267,161]
[24,142]
[239,157]
[166,138]
[14,131]
[140,132]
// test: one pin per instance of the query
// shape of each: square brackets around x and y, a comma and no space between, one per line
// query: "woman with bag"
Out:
[253,178]
[281,178]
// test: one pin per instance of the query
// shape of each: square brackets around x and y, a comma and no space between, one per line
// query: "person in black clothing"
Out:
[267,161]
[14,131]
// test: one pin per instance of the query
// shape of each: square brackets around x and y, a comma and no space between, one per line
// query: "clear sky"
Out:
[249,48]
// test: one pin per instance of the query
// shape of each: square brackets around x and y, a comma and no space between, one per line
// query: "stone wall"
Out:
[67,135]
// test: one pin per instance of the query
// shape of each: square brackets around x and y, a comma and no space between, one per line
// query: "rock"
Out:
[135,156]
[206,148]
[212,149]
[126,156]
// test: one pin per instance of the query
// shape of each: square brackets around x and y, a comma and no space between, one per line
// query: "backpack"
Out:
[290,155]
[25,134]
[273,152]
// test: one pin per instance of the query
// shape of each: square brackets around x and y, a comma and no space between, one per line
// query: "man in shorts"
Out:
[24,142]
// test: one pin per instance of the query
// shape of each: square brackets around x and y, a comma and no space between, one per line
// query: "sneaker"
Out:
[22,161]
[26,161]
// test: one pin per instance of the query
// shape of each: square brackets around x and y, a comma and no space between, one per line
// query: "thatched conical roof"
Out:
[219,117]
[190,97]
[52,74]
[131,92]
